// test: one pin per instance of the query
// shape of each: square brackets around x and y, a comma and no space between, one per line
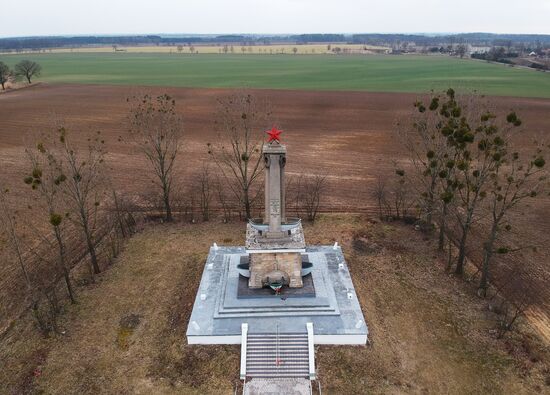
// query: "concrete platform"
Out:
[334,310]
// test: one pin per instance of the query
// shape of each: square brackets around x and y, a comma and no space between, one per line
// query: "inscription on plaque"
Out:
[275,205]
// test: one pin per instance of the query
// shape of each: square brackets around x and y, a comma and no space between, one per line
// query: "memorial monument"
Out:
[275,245]
[276,296]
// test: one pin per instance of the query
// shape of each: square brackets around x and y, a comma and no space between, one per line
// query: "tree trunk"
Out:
[431,203]
[118,214]
[69,285]
[93,256]
[462,245]
[19,254]
[442,228]
[3,87]
[487,255]
[29,79]
[462,252]
[89,242]
[449,255]
[62,264]
[247,204]
[429,217]
[206,213]
[167,206]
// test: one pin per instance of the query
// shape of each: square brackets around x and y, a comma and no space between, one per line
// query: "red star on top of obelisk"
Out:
[274,134]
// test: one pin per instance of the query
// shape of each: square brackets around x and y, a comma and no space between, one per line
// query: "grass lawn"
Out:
[382,73]
[428,332]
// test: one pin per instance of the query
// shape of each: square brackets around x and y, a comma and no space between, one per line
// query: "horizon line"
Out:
[434,34]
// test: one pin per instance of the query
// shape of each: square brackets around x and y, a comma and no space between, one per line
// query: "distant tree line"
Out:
[484,39]
[496,54]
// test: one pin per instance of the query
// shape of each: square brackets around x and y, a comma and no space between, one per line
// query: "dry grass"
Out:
[345,135]
[428,331]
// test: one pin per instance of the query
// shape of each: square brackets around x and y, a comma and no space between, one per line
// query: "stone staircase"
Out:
[277,355]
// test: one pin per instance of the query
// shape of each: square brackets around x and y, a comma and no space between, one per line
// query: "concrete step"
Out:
[272,355]
[295,386]
[292,342]
[270,347]
[273,362]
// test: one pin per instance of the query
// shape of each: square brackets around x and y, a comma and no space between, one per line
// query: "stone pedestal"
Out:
[275,266]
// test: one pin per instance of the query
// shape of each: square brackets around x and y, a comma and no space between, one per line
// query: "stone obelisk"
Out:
[274,159]
[275,253]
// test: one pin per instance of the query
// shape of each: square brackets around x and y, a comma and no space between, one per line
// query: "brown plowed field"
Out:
[346,135]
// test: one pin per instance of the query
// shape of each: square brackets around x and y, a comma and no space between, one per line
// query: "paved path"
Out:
[288,386]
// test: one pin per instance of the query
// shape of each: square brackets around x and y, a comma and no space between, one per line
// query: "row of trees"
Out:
[26,69]
[231,174]
[469,168]
[75,205]
[72,214]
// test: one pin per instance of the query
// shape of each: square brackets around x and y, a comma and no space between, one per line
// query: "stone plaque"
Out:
[275,205]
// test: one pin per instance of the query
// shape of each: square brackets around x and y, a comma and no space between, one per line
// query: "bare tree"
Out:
[476,166]
[433,159]
[45,179]
[28,69]
[83,185]
[461,50]
[223,199]
[519,298]
[205,189]
[291,191]
[5,75]
[124,217]
[8,220]
[513,181]
[310,194]
[400,194]
[380,194]
[157,129]
[241,119]
[463,167]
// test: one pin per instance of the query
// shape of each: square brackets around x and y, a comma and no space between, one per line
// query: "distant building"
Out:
[533,53]
[477,49]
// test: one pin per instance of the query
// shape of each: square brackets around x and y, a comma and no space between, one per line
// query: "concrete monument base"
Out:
[334,311]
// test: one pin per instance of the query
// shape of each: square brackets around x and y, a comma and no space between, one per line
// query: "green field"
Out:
[379,73]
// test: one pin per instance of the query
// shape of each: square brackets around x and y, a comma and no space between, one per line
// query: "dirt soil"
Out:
[429,333]
[346,135]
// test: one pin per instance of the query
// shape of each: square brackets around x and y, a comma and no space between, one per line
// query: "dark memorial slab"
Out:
[307,291]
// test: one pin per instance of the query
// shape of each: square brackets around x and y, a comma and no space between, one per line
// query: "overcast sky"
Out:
[61,17]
